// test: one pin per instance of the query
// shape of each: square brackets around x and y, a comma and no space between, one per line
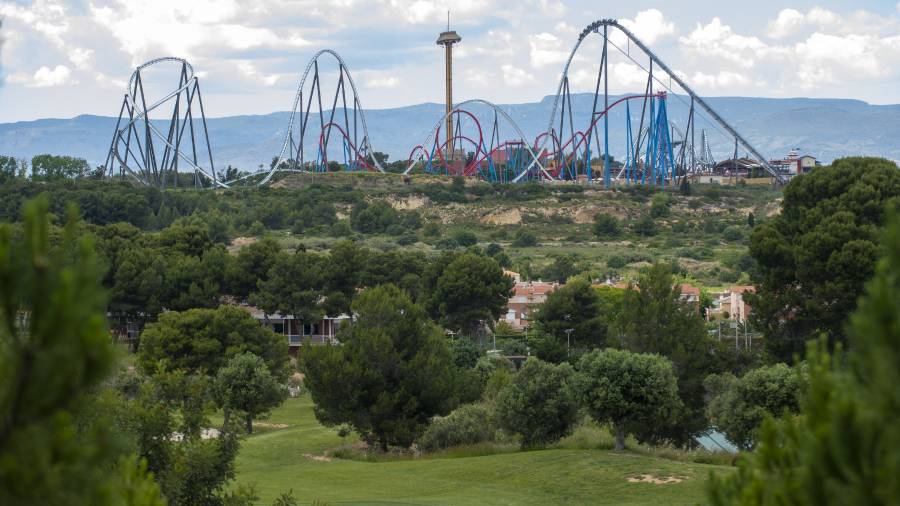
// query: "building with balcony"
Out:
[298,332]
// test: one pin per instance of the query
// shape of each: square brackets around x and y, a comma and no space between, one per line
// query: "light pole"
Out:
[568,344]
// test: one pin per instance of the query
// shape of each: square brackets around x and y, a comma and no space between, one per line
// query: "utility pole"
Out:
[568,342]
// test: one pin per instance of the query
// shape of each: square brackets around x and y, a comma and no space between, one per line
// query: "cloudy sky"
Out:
[64,58]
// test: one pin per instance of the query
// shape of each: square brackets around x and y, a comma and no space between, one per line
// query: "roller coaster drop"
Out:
[137,141]
[655,154]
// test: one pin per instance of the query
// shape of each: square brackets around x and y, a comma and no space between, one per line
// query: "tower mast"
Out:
[448,39]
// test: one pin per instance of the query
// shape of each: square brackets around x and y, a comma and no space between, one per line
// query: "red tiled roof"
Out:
[687,289]
[533,288]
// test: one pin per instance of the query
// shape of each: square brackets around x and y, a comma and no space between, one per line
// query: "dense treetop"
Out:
[815,257]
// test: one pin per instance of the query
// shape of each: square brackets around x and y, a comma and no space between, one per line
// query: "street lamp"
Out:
[568,344]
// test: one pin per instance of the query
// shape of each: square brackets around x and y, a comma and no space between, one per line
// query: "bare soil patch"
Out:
[504,217]
[656,480]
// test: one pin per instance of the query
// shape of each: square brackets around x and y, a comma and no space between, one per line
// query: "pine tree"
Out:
[842,449]
[54,350]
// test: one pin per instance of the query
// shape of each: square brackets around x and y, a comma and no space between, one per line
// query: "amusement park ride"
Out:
[657,152]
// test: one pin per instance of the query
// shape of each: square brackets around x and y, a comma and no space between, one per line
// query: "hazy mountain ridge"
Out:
[825,128]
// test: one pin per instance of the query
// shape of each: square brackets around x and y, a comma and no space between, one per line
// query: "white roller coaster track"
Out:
[366,145]
[130,97]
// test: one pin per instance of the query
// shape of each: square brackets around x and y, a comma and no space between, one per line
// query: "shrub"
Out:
[644,226]
[525,239]
[733,233]
[606,225]
[616,262]
[465,238]
[539,404]
[466,425]
[512,346]
[487,365]
[407,239]
[395,229]
[659,209]
[446,243]
[696,253]
[341,229]
[431,229]
[739,405]
[465,352]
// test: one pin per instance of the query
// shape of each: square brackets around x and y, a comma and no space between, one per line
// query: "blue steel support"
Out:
[606,170]
[629,141]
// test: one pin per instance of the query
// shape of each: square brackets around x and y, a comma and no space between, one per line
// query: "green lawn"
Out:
[277,458]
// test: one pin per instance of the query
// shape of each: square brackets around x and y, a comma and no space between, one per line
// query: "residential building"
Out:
[526,296]
[691,295]
[729,304]
[298,332]
[795,164]
[688,292]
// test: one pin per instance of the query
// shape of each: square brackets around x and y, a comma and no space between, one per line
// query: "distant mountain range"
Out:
[824,128]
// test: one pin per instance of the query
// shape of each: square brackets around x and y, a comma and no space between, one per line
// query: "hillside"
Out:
[561,219]
[546,231]
[826,128]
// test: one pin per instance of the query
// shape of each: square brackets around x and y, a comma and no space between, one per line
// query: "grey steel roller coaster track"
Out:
[594,28]
[367,145]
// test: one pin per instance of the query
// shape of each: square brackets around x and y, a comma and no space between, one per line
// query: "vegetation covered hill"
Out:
[545,231]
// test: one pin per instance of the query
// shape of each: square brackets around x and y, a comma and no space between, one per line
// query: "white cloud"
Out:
[80,57]
[791,21]
[192,29]
[723,79]
[514,76]
[553,9]
[828,58]
[44,77]
[382,82]
[512,50]
[628,75]
[248,69]
[547,49]
[822,17]
[716,39]
[649,26]
[422,11]
[788,21]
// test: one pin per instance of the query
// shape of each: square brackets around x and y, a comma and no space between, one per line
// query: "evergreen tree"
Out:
[471,288]
[842,449]
[392,372]
[739,405]
[816,255]
[654,319]
[54,351]
[575,306]
[246,385]
[627,390]
[202,341]
[540,403]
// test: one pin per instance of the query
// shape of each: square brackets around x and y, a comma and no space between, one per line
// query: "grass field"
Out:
[280,455]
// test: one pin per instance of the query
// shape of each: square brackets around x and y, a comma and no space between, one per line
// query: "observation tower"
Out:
[447,39]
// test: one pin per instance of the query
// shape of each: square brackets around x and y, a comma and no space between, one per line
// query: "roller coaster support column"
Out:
[606,169]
